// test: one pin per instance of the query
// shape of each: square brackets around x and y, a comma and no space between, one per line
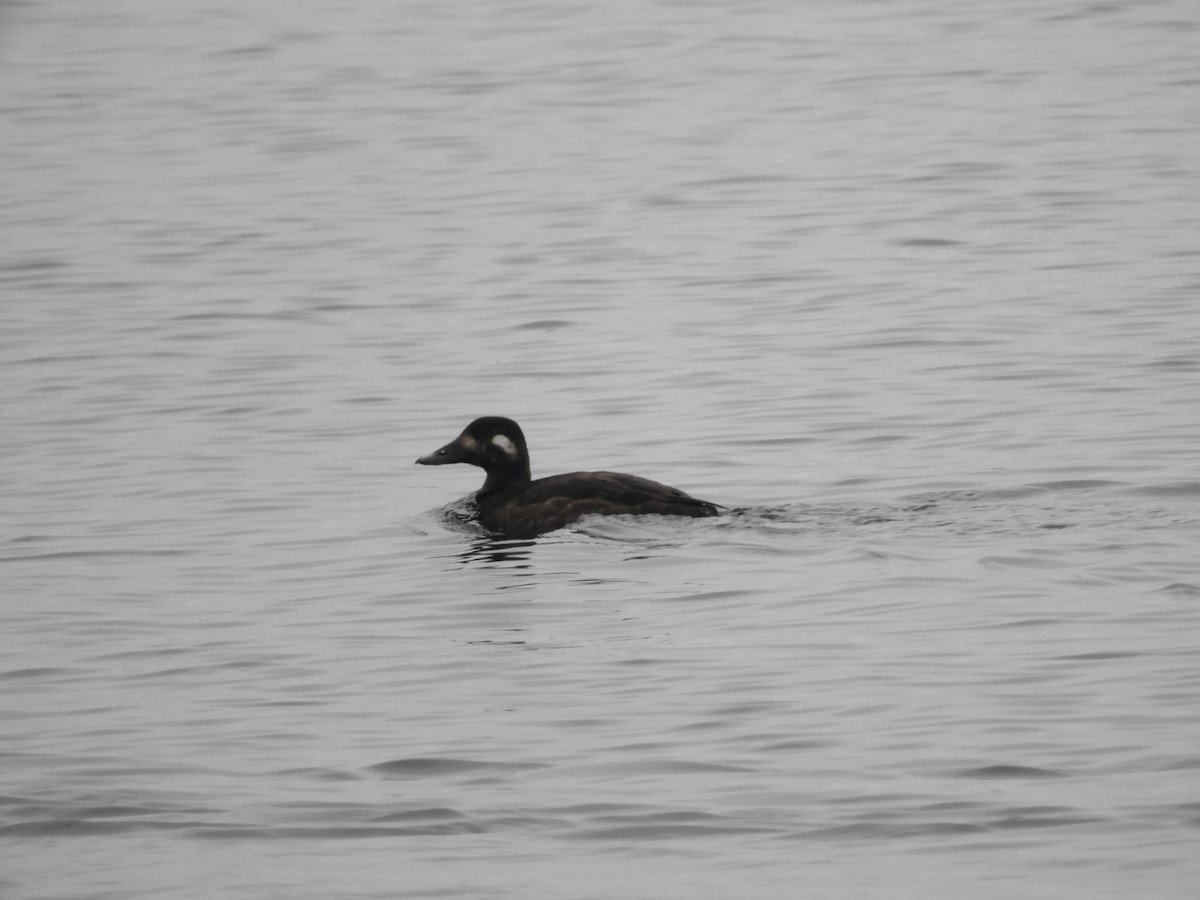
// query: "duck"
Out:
[513,504]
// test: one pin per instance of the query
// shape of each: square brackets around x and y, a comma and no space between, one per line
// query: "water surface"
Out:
[912,289]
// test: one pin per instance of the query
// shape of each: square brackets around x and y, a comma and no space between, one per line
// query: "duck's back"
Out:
[551,503]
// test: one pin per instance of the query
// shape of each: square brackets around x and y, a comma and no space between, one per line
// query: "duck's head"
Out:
[493,443]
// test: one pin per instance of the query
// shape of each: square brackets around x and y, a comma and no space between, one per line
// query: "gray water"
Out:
[913,288]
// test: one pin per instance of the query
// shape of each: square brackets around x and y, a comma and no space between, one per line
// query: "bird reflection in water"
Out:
[499,552]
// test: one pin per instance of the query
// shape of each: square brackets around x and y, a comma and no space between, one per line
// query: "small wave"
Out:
[39,672]
[1008,771]
[91,554]
[1167,489]
[1181,589]
[428,767]
[75,827]
[637,832]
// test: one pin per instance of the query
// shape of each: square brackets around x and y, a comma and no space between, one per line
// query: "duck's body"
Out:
[548,504]
[512,503]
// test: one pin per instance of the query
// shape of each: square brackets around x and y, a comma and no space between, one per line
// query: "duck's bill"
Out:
[451,453]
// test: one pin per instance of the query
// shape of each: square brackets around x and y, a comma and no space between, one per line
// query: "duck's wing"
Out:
[613,493]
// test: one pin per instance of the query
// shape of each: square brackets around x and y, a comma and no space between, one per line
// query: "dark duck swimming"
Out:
[514,504]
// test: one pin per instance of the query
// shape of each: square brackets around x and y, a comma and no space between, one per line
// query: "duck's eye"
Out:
[507,446]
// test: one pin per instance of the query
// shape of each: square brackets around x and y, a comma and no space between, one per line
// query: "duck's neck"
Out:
[506,478]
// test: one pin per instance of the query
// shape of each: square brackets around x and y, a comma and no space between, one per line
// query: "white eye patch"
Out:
[509,448]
